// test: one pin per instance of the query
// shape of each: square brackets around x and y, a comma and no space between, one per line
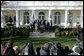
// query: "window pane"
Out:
[28,19]
[70,19]
[24,19]
[39,17]
[55,19]
[58,19]
[42,17]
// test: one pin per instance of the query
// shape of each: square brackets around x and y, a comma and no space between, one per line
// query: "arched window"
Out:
[26,13]
[57,18]
[70,17]
[41,15]
[26,18]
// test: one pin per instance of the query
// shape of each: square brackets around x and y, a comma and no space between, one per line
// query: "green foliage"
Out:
[71,33]
[2,31]
[74,29]
[66,32]
[15,31]
[55,27]
[57,33]
[25,31]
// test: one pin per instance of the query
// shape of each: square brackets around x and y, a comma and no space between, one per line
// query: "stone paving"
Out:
[38,34]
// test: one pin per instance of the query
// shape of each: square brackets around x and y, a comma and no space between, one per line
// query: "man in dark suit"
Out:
[50,26]
[47,26]
[33,25]
[44,24]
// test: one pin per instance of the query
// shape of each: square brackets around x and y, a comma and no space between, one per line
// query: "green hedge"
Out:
[65,32]
[5,32]
[57,33]
[55,27]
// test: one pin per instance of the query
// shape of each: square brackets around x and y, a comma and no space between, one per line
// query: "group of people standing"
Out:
[49,48]
[37,25]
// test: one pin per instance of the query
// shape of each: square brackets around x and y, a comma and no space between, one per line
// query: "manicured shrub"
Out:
[66,32]
[74,30]
[5,32]
[75,33]
[71,33]
[57,33]
[55,27]
[2,31]
[25,32]
[18,32]
[60,31]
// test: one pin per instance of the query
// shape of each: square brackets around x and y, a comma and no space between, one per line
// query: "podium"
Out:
[41,28]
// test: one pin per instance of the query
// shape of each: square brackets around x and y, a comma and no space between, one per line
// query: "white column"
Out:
[49,15]
[82,18]
[2,20]
[17,19]
[32,16]
[66,15]
[21,18]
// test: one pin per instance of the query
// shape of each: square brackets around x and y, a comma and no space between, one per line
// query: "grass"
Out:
[20,41]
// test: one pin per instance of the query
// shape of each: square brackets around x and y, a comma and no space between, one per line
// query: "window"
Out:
[57,18]
[70,17]
[78,19]
[41,16]
[6,19]
[26,18]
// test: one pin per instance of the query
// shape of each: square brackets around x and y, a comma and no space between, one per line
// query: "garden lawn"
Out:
[20,41]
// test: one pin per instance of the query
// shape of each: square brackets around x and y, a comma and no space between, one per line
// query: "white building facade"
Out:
[62,13]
